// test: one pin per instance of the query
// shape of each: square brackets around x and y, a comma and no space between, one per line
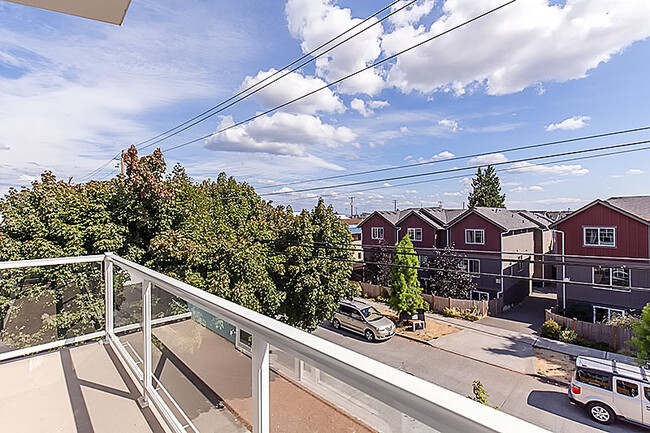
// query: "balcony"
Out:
[99,343]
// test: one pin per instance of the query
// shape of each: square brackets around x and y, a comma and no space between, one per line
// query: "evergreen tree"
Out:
[641,339]
[444,277]
[404,280]
[486,189]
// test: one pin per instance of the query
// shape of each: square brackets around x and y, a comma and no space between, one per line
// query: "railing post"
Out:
[260,371]
[146,330]
[108,297]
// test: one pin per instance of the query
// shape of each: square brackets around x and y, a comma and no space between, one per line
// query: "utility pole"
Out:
[395,205]
[351,207]
[122,168]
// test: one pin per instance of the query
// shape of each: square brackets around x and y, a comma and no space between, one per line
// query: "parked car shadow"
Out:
[557,403]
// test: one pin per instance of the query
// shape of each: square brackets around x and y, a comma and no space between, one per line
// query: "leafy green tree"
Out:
[378,270]
[486,189]
[213,234]
[641,336]
[406,290]
[445,276]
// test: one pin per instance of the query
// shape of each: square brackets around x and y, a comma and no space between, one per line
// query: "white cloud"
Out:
[360,106]
[284,189]
[511,183]
[552,182]
[445,154]
[316,21]
[4,146]
[279,134]
[491,158]
[411,191]
[533,188]
[266,182]
[522,45]
[387,185]
[378,104]
[403,129]
[292,86]
[617,176]
[575,122]
[548,170]
[452,194]
[450,124]
[408,157]
[412,14]
[635,171]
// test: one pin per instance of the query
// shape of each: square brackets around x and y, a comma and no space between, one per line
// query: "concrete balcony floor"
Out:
[78,389]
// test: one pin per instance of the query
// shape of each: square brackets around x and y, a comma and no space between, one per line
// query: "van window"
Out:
[346,310]
[627,388]
[594,379]
[646,391]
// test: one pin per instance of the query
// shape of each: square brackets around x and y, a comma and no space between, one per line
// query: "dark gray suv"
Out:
[364,319]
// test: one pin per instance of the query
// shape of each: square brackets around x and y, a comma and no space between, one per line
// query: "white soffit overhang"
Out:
[108,11]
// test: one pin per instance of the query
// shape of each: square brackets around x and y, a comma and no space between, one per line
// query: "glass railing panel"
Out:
[201,369]
[127,313]
[304,396]
[45,304]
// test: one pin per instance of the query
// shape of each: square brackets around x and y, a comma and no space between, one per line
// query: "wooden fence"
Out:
[615,336]
[439,303]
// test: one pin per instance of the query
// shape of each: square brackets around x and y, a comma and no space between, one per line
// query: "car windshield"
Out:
[371,314]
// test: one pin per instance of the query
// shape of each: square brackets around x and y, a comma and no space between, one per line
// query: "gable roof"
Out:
[638,206]
[424,217]
[635,207]
[506,220]
[442,216]
[389,216]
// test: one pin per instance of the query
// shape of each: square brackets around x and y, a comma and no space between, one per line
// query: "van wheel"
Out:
[601,413]
[336,324]
[370,336]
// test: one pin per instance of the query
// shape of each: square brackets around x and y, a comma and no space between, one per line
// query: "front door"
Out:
[627,398]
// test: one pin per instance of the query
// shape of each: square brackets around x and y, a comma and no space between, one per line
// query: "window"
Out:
[472,266]
[378,233]
[594,379]
[346,310]
[600,236]
[614,277]
[520,264]
[605,314]
[626,388]
[646,392]
[474,236]
[478,295]
[414,234]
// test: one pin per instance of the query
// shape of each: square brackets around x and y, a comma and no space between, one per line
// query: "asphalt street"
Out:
[515,393]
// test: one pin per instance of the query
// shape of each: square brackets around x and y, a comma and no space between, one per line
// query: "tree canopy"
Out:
[445,276]
[641,339]
[217,235]
[406,290]
[486,189]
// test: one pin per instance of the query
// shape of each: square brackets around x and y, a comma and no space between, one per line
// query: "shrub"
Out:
[471,315]
[627,322]
[451,312]
[568,336]
[551,329]
[480,394]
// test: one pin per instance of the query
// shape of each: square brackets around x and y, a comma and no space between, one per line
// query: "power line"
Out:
[333,83]
[207,112]
[462,271]
[472,167]
[457,158]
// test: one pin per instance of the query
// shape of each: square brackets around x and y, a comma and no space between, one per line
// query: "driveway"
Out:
[527,317]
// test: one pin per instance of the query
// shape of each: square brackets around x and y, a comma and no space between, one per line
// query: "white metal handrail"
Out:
[430,404]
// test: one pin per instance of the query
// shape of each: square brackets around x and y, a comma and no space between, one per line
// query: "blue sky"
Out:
[74,92]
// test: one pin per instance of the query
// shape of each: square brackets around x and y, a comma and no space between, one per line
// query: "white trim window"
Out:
[377,233]
[475,236]
[414,234]
[473,266]
[478,295]
[615,278]
[599,236]
[605,314]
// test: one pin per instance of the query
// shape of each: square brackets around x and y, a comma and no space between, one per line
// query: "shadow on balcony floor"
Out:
[82,389]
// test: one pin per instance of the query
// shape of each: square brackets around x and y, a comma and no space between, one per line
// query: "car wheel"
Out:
[601,413]
[370,336]
[336,324]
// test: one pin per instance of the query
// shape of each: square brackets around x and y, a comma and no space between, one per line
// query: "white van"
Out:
[610,390]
